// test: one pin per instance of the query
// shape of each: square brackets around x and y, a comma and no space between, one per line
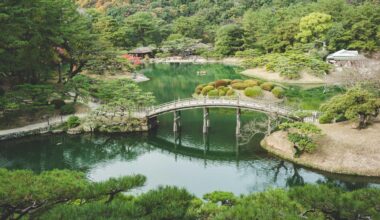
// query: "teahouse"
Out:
[345,58]
[142,52]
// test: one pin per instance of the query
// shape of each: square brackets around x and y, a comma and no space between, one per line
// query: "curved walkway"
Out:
[37,128]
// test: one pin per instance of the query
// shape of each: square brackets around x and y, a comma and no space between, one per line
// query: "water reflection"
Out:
[166,161]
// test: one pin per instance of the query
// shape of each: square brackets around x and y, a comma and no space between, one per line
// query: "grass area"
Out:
[310,99]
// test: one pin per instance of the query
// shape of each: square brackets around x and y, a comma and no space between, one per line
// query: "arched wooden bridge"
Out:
[273,108]
[236,103]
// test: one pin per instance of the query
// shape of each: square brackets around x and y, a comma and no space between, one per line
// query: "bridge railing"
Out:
[229,101]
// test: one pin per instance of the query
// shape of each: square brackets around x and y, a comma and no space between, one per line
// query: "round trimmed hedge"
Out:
[268,86]
[230,92]
[221,92]
[236,81]
[254,91]
[213,93]
[278,92]
[206,89]
[219,83]
[251,82]
[199,88]
[239,85]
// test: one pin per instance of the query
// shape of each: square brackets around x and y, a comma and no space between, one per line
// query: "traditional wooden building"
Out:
[345,58]
[142,52]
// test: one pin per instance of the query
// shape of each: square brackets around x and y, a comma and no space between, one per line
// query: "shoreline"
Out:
[354,152]
[233,61]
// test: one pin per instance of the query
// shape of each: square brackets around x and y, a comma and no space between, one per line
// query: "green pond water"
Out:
[192,160]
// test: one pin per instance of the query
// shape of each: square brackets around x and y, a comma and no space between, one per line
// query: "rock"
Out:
[57,131]
[76,130]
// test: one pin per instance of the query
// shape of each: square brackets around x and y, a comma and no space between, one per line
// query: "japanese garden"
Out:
[190,109]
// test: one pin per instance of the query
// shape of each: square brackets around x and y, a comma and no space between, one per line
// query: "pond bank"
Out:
[35,129]
[341,149]
[234,61]
[261,73]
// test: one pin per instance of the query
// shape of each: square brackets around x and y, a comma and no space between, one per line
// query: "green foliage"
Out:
[164,203]
[206,89]
[58,103]
[27,96]
[310,99]
[73,121]
[325,119]
[199,88]
[313,27]
[221,92]
[236,81]
[78,86]
[356,104]
[179,45]
[230,92]
[225,198]
[239,85]
[302,127]
[213,93]
[272,204]
[64,194]
[229,39]
[67,109]
[142,28]
[268,86]
[251,82]
[278,92]
[300,134]
[289,64]
[302,143]
[123,91]
[23,191]
[253,91]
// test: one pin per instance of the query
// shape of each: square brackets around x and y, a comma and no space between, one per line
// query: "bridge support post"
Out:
[176,121]
[238,122]
[206,120]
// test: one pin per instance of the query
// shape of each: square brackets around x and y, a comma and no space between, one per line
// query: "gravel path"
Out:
[341,149]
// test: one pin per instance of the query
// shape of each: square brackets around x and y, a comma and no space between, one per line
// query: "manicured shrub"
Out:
[73,121]
[236,81]
[251,82]
[206,89]
[225,198]
[325,118]
[253,91]
[302,143]
[230,92]
[340,118]
[228,81]
[58,103]
[289,64]
[67,109]
[221,92]
[219,83]
[268,86]
[199,88]
[239,85]
[278,92]
[213,93]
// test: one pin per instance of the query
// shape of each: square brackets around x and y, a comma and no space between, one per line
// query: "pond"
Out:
[200,163]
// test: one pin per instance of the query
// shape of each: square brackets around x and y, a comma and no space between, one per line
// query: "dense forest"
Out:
[46,43]
[44,37]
